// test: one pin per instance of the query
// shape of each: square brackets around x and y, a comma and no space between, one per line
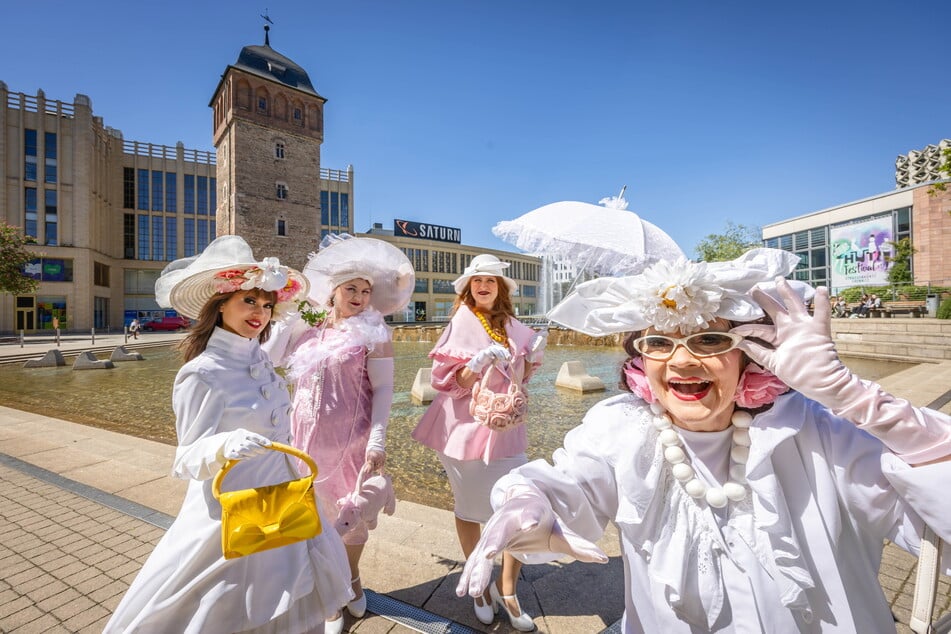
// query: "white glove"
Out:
[536,347]
[524,524]
[803,356]
[380,373]
[484,357]
[242,443]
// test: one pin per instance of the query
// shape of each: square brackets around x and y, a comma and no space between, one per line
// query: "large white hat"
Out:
[226,265]
[484,264]
[344,257]
[679,295]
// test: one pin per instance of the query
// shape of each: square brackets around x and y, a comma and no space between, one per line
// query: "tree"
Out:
[900,271]
[732,243]
[13,257]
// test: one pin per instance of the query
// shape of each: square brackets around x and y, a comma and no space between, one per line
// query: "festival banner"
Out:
[860,251]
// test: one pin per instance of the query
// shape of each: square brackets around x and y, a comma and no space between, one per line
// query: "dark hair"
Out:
[210,317]
[502,309]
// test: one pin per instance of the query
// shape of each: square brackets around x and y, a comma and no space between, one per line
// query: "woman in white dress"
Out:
[741,505]
[230,405]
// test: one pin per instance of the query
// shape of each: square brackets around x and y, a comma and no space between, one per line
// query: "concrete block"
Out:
[574,376]
[88,361]
[121,354]
[51,359]
[423,391]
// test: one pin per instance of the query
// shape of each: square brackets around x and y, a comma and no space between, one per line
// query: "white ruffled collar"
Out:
[679,538]
[366,329]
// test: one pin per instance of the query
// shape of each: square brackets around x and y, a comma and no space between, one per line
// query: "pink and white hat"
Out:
[226,265]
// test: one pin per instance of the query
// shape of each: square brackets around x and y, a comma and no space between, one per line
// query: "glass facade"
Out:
[50,217]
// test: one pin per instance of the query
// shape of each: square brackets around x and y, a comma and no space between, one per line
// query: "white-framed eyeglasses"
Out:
[701,344]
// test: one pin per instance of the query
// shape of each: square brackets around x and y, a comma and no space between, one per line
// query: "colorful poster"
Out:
[860,251]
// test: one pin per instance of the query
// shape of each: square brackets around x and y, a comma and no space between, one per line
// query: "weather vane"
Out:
[267,18]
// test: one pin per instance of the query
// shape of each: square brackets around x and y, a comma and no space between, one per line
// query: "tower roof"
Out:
[268,63]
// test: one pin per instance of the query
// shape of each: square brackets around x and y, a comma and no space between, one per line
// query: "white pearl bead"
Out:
[682,471]
[741,419]
[674,455]
[662,422]
[738,472]
[695,488]
[716,498]
[741,436]
[740,454]
[669,438]
[657,408]
[734,491]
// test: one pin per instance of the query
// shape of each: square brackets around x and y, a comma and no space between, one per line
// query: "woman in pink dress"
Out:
[483,331]
[340,361]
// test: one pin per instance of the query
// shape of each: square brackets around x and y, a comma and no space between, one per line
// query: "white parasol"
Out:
[606,239]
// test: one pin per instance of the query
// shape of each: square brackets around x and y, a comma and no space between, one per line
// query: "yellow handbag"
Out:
[268,517]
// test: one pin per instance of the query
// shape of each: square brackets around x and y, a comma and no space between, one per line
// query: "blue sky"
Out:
[465,113]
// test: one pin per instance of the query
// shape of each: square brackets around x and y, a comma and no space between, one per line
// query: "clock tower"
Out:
[268,129]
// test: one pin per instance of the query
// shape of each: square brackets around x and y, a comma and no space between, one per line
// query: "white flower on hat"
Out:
[679,295]
[269,275]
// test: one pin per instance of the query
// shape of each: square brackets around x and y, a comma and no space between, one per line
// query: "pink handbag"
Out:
[500,411]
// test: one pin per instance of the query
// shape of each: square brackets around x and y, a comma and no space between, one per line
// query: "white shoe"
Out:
[358,607]
[485,613]
[522,622]
[334,626]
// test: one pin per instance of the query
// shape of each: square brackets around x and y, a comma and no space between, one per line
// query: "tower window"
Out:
[262,104]
[281,191]
[297,114]
[279,150]
[281,228]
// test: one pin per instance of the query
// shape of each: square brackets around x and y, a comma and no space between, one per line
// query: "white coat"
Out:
[800,554]
[186,585]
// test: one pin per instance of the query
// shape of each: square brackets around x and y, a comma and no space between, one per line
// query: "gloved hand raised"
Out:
[242,443]
[804,358]
[536,347]
[802,354]
[524,524]
[484,357]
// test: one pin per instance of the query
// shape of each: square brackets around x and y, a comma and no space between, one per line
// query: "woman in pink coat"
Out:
[483,331]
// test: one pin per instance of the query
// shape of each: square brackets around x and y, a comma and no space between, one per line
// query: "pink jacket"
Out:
[447,426]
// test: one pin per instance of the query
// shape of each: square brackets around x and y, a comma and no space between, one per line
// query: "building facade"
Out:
[849,245]
[439,257]
[109,213]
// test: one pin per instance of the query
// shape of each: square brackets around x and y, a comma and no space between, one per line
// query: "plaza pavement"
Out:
[82,508]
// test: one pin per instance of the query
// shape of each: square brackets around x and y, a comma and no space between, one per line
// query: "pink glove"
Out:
[804,358]
[525,523]
[484,357]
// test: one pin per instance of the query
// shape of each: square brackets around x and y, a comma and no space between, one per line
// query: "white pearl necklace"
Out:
[735,489]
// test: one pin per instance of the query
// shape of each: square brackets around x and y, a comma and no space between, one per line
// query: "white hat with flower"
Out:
[344,257]
[680,296]
[226,265]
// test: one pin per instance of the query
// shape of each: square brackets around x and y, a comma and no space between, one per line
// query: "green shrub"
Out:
[944,309]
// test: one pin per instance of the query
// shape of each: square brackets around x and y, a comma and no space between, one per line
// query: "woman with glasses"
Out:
[752,477]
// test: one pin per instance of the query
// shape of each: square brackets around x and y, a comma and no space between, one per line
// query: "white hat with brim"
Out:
[679,296]
[343,257]
[225,266]
[484,264]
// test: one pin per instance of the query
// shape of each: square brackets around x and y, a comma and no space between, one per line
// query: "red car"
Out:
[167,323]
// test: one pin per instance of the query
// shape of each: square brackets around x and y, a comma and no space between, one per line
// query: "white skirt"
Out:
[472,482]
